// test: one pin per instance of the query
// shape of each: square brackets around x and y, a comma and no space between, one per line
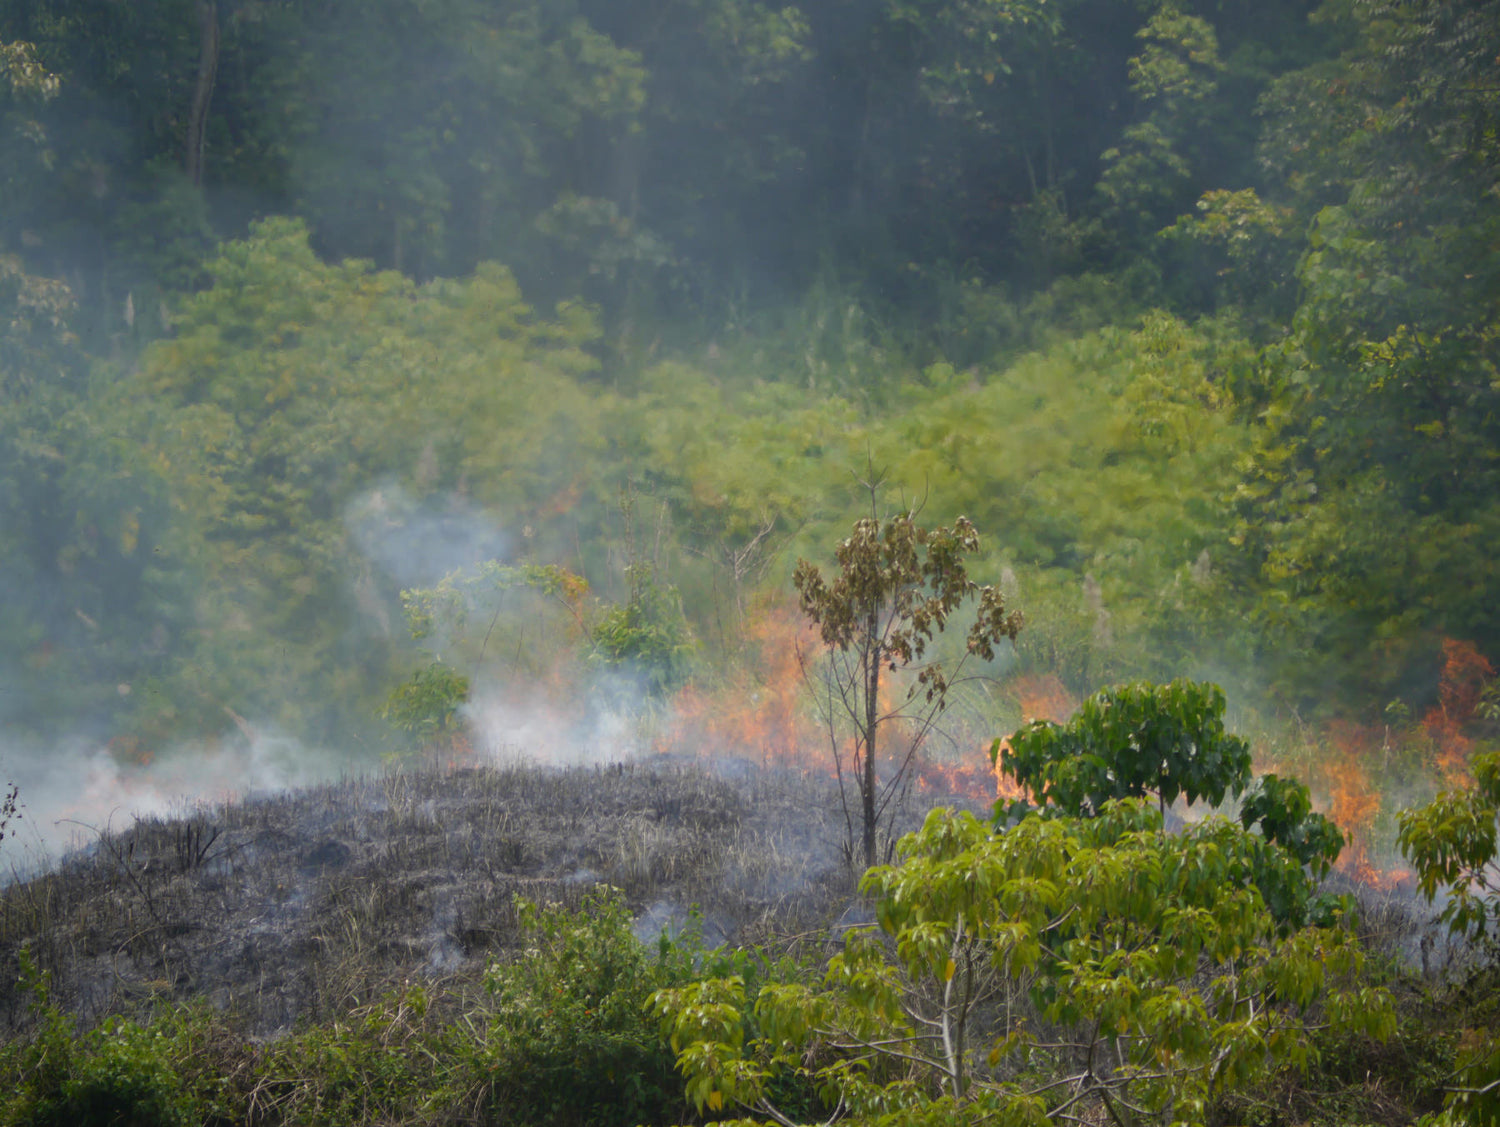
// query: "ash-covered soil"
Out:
[304,904]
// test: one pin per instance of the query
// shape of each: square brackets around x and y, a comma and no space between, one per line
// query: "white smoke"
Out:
[69,795]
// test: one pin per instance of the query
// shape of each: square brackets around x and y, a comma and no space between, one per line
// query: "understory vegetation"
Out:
[514,946]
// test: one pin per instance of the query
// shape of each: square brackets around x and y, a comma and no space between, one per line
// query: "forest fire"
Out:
[1353,760]
[1354,801]
[1043,697]
[756,712]
[761,715]
[1466,672]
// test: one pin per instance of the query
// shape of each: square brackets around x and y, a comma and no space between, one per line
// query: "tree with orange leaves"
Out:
[896,588]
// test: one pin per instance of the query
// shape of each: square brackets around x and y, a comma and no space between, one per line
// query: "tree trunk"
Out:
[872,722]
[203,89]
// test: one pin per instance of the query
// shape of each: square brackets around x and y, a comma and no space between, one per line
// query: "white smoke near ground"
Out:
[71,794]
[74,790]
[601,719]
[526,699]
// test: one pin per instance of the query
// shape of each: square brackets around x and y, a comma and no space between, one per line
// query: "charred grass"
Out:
[308,905]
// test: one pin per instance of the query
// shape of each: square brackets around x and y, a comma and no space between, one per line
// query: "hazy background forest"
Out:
[1192,307]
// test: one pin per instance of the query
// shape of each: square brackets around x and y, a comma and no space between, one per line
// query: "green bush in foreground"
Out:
[560,1037]
[1169,742]
[1452,844]
[1065,969]
[119,1075]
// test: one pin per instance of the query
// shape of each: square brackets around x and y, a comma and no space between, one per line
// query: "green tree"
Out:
[25,88]
[1131,741]
[645,637]
[1064,970]
[1369,513]
[431,138]
[152,147]
[897,585]
[1147,176]
[292,389]
[426,705]
[1140,740]
[86,601]
[1452,843]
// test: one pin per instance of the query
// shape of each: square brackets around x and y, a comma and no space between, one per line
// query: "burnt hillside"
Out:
[307,903]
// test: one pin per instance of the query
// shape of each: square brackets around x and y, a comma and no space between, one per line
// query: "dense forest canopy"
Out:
[1192,308]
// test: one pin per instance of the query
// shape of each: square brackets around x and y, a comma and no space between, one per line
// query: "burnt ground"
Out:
[304,904]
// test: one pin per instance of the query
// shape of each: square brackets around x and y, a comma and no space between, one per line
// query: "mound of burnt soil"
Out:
[304,904]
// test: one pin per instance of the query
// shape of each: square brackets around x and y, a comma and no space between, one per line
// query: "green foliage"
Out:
[449,614]
[1282,810]
[997,170]
[1158,977]
[1369,510]
[646,639]
[559,1037]
[25,156]
[1452,844]
[123,1079]
[1173,77]
[430,140]
[119,1075]
[426,705]
[290,389]
[1170,741]
[1129,741]
[569,1041]
[379,1065]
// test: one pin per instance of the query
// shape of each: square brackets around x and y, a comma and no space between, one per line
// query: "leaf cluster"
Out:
[1169,741]
[896,587]
[1061,969]
[1452,843]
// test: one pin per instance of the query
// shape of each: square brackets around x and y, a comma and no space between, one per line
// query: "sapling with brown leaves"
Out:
[896,588]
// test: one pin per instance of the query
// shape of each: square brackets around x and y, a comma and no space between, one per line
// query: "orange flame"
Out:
[1353,800]
[1043,697]
[1466,671]
[756,711]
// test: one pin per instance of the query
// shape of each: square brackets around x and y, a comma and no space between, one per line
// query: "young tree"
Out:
[897,585]
[1169,741]
[1452,844]
[1066,970]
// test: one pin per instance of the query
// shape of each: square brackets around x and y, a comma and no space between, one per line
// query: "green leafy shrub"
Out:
[1169,741]
[382,1064]
[425,706]
[1452,843]
[119,1075]
[1065,968]
[569,1041]
[647,638]
[122,1077]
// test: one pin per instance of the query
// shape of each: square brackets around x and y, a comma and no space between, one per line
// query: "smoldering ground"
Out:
[307,902]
